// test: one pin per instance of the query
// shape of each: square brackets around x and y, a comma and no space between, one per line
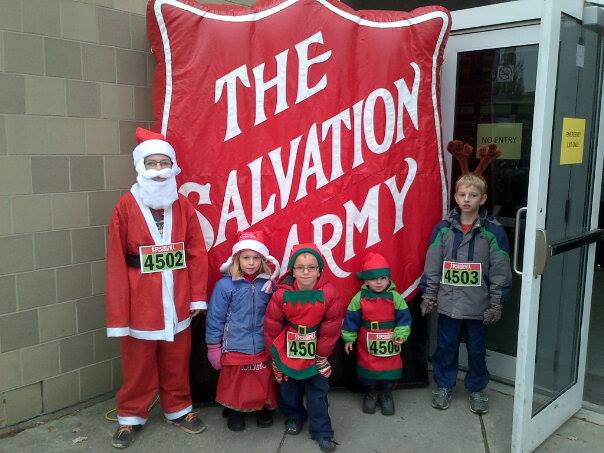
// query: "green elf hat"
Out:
[374,266]
[307,247]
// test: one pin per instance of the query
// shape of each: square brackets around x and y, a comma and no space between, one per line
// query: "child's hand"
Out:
[348,347]
[214,355]
[492,314]
[279,377]
[399,341]
[428,305]
[323,365]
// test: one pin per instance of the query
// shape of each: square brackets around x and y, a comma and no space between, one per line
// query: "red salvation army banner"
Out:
[309,121]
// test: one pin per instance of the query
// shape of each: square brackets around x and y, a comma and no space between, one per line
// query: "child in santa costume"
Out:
[156,281]
[234,332]
[378,317]
[302,325]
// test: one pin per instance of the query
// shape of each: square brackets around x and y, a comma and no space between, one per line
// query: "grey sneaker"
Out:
[479,403]
[441,398]
[190,423]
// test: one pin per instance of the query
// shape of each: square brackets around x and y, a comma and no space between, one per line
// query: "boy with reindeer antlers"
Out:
[467,279]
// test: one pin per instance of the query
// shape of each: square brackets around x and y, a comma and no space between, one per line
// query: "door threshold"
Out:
[590,412]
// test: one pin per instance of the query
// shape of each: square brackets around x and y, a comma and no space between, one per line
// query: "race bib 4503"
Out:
[461,274]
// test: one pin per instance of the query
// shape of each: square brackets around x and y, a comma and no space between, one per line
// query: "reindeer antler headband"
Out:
[463,151]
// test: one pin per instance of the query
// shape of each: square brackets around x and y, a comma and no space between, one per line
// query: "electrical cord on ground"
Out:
[111,418]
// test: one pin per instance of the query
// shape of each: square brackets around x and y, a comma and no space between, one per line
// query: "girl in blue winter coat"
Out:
[234,333]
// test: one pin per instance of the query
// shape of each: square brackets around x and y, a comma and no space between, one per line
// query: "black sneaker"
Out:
[190,423]
[387,402]
[264,418]
[124,435]
[293,426]
[370,401]
[326,444]
[236,421]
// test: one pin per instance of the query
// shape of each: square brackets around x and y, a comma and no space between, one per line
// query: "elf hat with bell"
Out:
[150,143]
[374,266]
[251,240]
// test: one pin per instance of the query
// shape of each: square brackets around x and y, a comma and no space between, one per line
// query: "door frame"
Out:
[530,431]
[500,365]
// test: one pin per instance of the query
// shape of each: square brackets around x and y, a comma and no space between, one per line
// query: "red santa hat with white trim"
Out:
[252,240]
[150,143]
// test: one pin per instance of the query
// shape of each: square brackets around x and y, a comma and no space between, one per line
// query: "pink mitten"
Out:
[214,354]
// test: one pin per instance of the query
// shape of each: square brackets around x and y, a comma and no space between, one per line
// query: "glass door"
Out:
[559,249]
[488,96]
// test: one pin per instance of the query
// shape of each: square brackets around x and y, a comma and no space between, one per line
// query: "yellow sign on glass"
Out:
[507,136]
[573,139]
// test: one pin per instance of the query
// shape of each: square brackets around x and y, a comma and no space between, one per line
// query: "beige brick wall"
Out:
[75,81]
[74,84]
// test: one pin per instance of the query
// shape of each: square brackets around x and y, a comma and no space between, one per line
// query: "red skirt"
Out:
[246,382]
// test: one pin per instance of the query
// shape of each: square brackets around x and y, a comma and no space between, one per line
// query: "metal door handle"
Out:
[586,238]
[542,252]
[517,239]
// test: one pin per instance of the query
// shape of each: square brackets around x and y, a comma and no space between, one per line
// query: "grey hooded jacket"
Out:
[485,243]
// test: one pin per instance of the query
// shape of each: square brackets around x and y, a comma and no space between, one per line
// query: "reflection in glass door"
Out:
[494,104]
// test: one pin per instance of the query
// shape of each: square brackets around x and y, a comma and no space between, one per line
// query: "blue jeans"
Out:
[445,360]
[291,394]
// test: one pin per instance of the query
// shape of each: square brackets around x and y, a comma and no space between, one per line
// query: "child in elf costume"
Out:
[302,325]
[378,316]
[234,332]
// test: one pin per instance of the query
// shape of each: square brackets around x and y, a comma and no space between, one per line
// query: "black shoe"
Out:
[293,426]
[264,418]
[326,444]
[124,435]
[370,401]
[387,402]
[236,421]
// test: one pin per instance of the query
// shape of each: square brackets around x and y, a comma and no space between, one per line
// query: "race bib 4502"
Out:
[158,258]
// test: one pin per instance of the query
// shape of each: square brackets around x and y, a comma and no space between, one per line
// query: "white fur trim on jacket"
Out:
[250,244]
[154,146]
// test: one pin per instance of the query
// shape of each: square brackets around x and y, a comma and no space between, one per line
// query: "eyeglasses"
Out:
[309,269]
[165,163]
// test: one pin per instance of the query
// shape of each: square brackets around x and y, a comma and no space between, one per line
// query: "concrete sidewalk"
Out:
[416,427]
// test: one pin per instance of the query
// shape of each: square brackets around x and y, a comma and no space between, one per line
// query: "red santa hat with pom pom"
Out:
[252,240]
[150,143]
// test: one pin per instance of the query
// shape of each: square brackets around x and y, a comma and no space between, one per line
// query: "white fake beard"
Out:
[157,194]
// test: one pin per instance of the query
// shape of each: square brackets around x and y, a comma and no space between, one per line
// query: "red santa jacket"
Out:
[281,315]
[153,306]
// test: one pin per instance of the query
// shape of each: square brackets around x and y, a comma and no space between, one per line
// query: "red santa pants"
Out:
[149,366]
